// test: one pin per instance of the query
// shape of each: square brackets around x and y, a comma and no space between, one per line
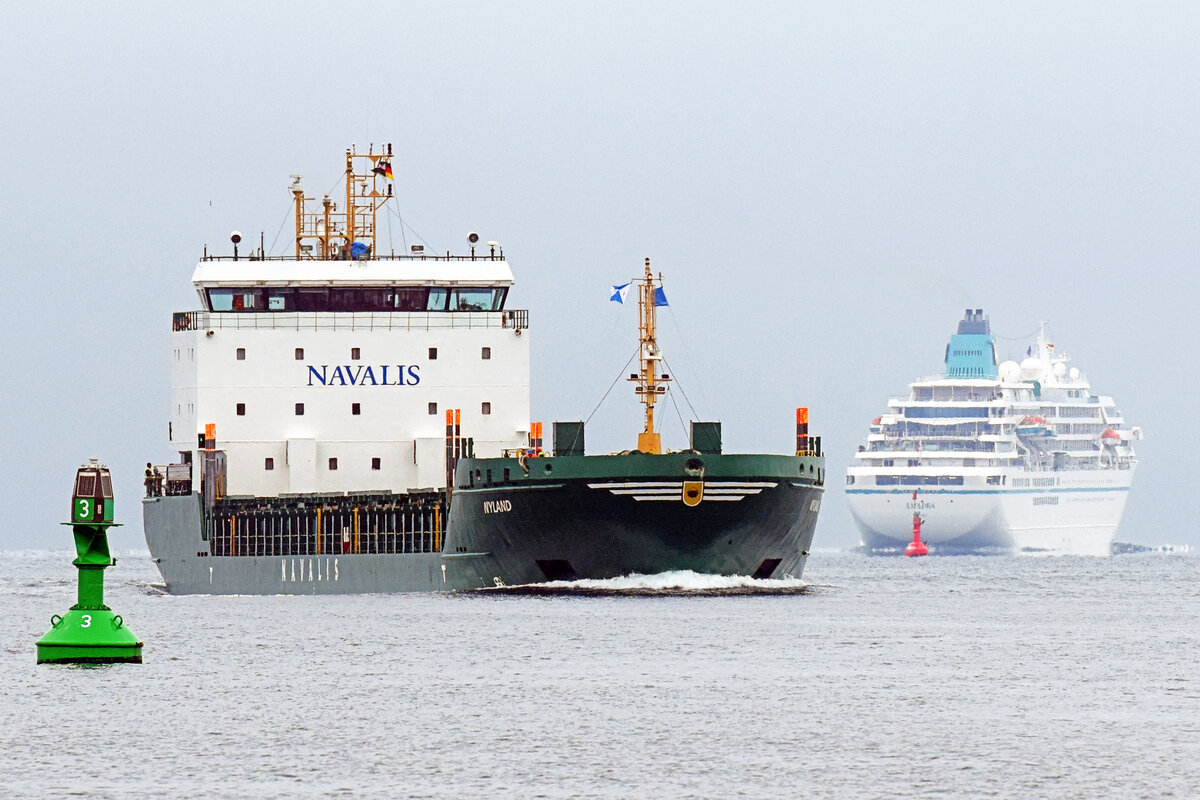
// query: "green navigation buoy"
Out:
[90,633]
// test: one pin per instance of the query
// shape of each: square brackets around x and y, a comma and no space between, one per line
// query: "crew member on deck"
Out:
[149,479]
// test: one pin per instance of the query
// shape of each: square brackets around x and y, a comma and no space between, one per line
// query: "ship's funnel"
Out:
[972,350]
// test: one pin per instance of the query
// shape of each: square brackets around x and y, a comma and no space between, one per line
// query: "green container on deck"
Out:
[706,437]
[568,438]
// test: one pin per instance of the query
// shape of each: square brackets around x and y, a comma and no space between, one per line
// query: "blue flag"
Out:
[619,292]
[660,297]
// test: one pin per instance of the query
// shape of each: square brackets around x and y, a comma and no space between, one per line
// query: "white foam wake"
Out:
[677,582]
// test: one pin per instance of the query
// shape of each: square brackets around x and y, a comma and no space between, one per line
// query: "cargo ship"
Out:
[995,456]
[352,421]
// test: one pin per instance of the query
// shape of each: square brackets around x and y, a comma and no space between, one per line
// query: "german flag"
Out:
[387,170]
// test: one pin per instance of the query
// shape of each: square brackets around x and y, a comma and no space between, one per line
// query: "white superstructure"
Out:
[995,455]
[331,371]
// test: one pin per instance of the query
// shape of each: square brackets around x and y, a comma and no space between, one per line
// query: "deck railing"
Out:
[498,255]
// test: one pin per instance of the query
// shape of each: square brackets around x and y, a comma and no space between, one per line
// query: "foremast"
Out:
[347,233]
[649,382]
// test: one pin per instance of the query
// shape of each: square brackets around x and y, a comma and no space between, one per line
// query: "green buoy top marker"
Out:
[90,633]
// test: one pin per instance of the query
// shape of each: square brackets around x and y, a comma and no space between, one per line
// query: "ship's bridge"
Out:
[438,283]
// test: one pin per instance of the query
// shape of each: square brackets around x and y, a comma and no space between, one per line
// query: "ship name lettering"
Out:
[496,506]
[348,375]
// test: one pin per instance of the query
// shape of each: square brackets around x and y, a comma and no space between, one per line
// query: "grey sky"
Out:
[824,186]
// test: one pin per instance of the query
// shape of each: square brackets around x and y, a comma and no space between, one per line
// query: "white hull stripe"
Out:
[676,490]
[714,491]
[678,498]
[677,484]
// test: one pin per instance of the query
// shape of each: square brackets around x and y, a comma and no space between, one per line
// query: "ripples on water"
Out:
[880,677]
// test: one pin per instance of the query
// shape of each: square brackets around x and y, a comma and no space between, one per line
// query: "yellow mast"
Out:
[650,384]
[333,231]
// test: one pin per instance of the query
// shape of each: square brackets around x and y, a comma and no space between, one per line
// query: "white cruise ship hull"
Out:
[1074,512]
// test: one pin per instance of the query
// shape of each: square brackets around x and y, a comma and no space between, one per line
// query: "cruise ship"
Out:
[995,457]
[352,420]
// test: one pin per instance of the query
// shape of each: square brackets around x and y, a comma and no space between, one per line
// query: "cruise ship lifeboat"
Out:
[1034,426]
[1110,437]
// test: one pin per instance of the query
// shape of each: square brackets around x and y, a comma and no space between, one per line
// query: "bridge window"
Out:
[928,412]
[466,298]
[357,298]
[233,299]
[437,300]
[409,299]
[476,299]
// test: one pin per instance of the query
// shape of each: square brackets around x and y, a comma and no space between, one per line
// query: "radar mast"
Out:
[649,383]
[333,233]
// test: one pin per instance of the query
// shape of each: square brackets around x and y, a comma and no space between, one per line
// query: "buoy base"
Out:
[916,549]
[89,636]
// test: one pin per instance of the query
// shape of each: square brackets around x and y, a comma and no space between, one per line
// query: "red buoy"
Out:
[916,547]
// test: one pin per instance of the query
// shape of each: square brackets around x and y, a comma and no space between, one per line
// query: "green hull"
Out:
[599,517]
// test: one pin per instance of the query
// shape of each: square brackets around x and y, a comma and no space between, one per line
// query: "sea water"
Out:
[877,677]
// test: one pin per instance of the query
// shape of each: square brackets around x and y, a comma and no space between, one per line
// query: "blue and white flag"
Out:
[619,292]
[660,297]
